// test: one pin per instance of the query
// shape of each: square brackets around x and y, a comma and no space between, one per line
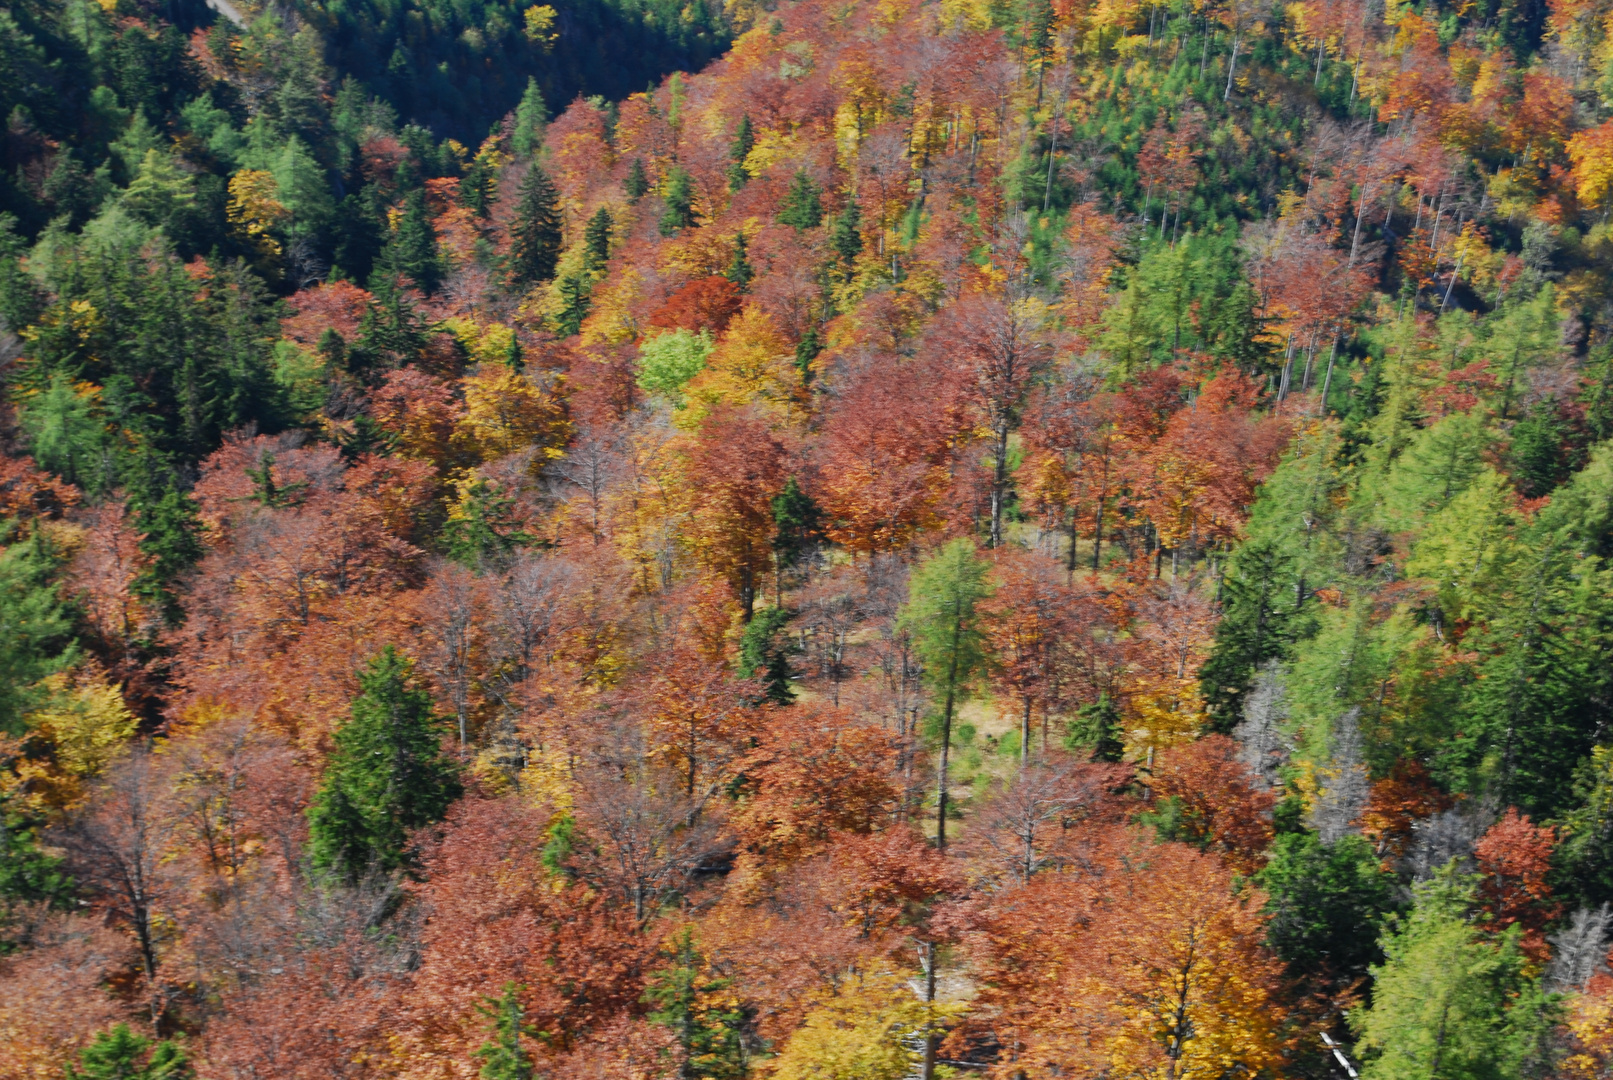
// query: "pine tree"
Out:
[535,238]
[637,184]
[744,142]
[120,1054]
[679,198]
[503,1056]
[803,206]
[693,1004]
[944,592]
[576,297]
[596,242]
[531,115]
[388,775]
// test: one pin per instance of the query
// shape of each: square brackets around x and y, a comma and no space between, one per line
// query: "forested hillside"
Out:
[981,537]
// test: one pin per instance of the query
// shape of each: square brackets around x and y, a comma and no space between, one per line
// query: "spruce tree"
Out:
[1097,725]
[744,142]
[679,198]
[476,187]
[596,242]
[535,238]
[412,251]
[687,1001]
[388,775]
[806,351]
[763,655]
[1257,624]
[845,238]
[503,1056]
[740,271]
[803,204]
[637,184]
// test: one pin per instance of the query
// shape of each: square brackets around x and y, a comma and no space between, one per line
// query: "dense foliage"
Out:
[1037,539]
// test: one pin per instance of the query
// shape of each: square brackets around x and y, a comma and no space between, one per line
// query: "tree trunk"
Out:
[946,740]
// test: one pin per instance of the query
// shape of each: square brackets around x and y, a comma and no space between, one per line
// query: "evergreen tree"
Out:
[576,297]
[1259,604]
[172,539]
[121,1054]
[740,271]
[412,250]
[477,187]
[738,150]
[35,627]
[388,775]
[765,654]
[535,237]
[944,592]
[503,1056]
[1449,1003]
[803,206]
[845,238]
[596,242]
[531,116]
[1327,903]
[637,184]
[806,351]
[1098,726]
[692,1003]
[678,195]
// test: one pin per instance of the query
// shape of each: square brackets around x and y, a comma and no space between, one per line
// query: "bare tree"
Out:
[1579,950]
[118,851]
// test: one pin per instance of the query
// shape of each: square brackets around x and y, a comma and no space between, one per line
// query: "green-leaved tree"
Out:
[387,776]
[944,593]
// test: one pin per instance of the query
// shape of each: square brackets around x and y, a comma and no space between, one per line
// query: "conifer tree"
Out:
[803,205]
[744,142]
[535,238]
[121,1054]
[1098,726]
[637,184]
[503,1056]
[845,238]
[1448,1003]
[388,775]
[740,271]
[944,593]
[678,195]
[688,1001]
[412,251]
[596,242]
[477,186]
[763,655]
[1259,607]
[531,115]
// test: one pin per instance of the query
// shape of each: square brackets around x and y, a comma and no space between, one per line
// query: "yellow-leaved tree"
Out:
[507,411]
[872,1029]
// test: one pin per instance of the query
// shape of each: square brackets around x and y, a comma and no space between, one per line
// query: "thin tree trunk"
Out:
[946,740]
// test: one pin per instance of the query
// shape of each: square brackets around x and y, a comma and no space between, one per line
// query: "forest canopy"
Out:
[836,539]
